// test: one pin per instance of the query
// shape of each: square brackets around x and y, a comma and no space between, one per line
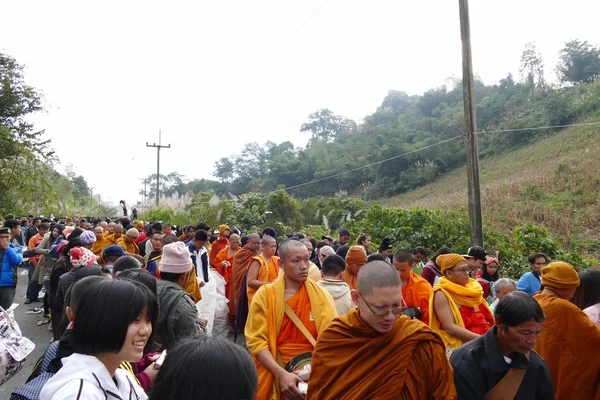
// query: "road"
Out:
[37,334]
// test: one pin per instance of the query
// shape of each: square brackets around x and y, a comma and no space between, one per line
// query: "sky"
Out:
[215,75]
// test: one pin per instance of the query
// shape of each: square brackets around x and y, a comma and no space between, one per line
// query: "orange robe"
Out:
[350,279]
[99,246]
[225,272]
[111,238]
[216,247]
[239,266]
[129,248]
[268,328]
[569,344]
[352,361]
[192,286]
[416,294]
[267,273]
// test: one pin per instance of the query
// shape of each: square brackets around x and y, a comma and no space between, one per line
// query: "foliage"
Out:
[579,63]
[405,125]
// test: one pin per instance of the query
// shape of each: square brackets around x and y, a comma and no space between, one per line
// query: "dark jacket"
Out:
[177,316]
[10,259]
[479,365]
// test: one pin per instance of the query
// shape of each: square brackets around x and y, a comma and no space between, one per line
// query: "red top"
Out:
[477,320]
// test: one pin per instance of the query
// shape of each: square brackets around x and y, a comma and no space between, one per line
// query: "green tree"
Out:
[579,63]
[325,126]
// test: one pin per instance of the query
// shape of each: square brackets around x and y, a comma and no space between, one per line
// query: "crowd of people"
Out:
[122,302]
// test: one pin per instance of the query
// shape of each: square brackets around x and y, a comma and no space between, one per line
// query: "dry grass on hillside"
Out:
[554,182]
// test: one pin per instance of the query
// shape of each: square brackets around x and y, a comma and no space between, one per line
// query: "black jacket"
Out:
[479,365]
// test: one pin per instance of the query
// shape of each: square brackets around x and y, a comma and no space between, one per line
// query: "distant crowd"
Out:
[322,318]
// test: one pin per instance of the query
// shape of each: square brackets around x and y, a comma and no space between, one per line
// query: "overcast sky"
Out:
[216,75]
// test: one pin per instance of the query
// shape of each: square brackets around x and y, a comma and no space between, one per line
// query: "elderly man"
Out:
[313,271]
[127,242]
[502,363]
[285,319]
[241,260]
[374,352]
[570,339]
[502,287]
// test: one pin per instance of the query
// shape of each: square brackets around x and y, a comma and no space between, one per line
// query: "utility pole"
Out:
[158,147]
[91,198]
[474,193]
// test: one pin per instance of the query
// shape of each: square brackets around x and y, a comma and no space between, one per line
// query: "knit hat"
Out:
[175,259]
[223,228]
[139,225]
[356,255]
[560,275]
[113,250]
[82,257]
[87,237]
[447,261]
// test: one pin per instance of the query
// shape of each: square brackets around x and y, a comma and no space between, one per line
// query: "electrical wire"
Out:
[310,16]
[537,128]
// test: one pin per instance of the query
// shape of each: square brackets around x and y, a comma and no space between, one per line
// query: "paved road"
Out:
[37,334]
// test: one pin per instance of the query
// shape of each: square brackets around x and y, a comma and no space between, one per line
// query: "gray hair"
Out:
[327,251]
[502,282]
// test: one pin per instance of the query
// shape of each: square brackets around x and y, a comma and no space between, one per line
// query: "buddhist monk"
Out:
[100,244]
[116,235]
[111,228]
[457,309]
[570,341]
[224,260]
[218,244]
[104,226]
[374,352]
[272,337]
[355,259]
[127,242]
[264,267]
[415,290]
[240,264]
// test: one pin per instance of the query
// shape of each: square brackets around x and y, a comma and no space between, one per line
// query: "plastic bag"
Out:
[213,305]
[14,348]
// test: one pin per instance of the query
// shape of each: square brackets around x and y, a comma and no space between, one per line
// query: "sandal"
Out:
[43,322]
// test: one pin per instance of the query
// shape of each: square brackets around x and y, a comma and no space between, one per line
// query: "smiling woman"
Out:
[112,324]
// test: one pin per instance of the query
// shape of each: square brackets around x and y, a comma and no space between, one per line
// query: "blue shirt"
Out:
[529,283]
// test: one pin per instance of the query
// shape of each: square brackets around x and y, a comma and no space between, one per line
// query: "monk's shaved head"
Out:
[234,236]
[267,240]
[376,274]
[254,236]
[286,246]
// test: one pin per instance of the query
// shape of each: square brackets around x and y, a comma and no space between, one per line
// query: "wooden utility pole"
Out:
[475,217]
[158,147]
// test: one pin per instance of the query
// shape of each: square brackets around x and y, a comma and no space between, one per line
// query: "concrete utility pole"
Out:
[158,147]
[475,217]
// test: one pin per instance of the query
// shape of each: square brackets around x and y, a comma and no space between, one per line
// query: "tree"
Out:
[532,66]
[224,170]
[325,126]
[20,143]
[579,63]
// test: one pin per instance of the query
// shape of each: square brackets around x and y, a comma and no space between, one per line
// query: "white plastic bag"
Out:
[14,348]
[213,305]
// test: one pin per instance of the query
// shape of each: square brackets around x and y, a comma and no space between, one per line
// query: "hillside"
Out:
[553,182]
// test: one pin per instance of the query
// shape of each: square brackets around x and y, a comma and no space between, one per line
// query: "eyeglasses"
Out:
[382,312]
[463,270]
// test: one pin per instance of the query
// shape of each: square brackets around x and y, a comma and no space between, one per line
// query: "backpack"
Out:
[32,389]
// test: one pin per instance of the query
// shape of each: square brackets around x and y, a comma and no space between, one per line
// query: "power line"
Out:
[365,26]
[537,128]
[317,31]
[310,16]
